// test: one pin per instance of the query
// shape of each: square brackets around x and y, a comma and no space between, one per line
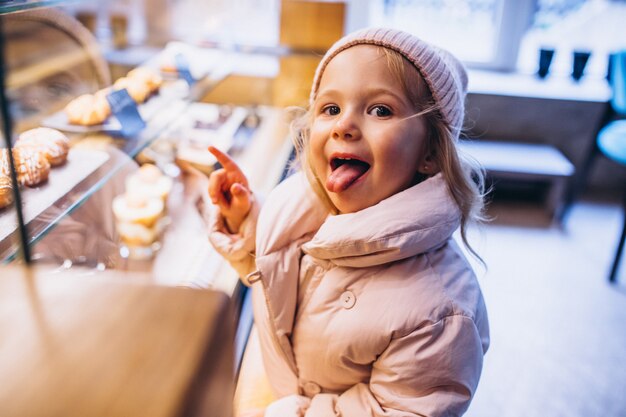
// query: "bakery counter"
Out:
[80,231]
[74,345]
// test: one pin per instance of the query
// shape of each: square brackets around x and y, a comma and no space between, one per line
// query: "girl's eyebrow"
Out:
[383,91]
[330,92]
[366,92]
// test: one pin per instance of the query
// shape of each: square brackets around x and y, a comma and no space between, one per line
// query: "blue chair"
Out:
[611,142]
[612,138]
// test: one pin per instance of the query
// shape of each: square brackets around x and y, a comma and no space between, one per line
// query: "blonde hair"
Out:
[464,176]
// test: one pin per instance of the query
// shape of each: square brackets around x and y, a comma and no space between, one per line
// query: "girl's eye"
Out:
[381,111]
[331,110]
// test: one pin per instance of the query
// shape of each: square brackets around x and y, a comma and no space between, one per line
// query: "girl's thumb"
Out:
[239,193]
[237,189]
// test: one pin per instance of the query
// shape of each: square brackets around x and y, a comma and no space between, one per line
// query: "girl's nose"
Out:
[346,128]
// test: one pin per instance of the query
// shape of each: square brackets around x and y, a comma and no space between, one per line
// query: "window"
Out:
[467,28]
[596,26]
[483,33]
[507,34]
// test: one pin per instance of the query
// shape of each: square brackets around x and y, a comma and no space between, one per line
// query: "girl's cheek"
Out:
[317,140]
[317,162]
[317,131]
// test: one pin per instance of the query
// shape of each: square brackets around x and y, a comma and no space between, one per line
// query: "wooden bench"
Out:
[525,162]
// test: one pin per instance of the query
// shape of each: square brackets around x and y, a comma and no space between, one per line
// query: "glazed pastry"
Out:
[147,76]
[148,180]
[5,168]
[54,144]
[31,166]
[6,191]
[136,88]
[88,109]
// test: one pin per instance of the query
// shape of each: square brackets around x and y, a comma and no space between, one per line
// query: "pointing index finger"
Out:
[224,159]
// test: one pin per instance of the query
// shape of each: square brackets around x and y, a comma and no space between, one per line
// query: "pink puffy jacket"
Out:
[373,313]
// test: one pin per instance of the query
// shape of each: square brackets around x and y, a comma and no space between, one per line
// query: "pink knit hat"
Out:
[444,74]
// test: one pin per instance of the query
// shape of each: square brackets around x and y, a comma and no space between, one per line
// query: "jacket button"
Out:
[348,299]
[311,389]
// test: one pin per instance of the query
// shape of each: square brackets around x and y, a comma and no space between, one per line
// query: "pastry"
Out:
[137,218]
[133,234]
[136,88]
[148,180]
[168,67]
[6,191]
[137,209]
[88,109]
[31,166]
[5,168]
[54,144]
[147,76]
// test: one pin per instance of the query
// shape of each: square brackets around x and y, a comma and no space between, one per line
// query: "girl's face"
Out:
[364,146]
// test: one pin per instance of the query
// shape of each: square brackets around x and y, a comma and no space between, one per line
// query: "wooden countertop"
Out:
[107,345]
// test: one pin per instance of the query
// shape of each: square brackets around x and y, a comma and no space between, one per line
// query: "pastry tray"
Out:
[147,110]
[80,164]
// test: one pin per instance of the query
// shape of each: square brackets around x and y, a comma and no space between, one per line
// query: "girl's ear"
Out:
[427,166]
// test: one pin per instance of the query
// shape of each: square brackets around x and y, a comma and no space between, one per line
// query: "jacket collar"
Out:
[406,224]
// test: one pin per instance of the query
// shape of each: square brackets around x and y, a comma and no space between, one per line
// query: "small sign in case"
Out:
[182,66]
[125,110]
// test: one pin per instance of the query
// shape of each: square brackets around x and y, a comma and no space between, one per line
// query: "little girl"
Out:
[364,303]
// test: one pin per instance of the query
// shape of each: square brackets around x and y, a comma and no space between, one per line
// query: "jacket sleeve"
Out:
[238,249]
[432,371]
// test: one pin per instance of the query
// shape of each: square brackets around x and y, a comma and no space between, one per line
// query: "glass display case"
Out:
[81,212]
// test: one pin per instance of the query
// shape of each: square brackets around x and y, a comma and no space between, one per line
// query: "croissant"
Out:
[88,109]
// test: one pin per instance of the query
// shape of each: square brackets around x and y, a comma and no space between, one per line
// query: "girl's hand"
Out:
[228,189]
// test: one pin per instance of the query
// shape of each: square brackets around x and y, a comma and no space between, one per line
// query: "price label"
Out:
[125,109]
[182,66]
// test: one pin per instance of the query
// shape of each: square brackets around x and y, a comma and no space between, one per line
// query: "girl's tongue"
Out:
[345,174]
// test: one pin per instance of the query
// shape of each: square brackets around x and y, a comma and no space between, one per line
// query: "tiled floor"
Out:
[558,328]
